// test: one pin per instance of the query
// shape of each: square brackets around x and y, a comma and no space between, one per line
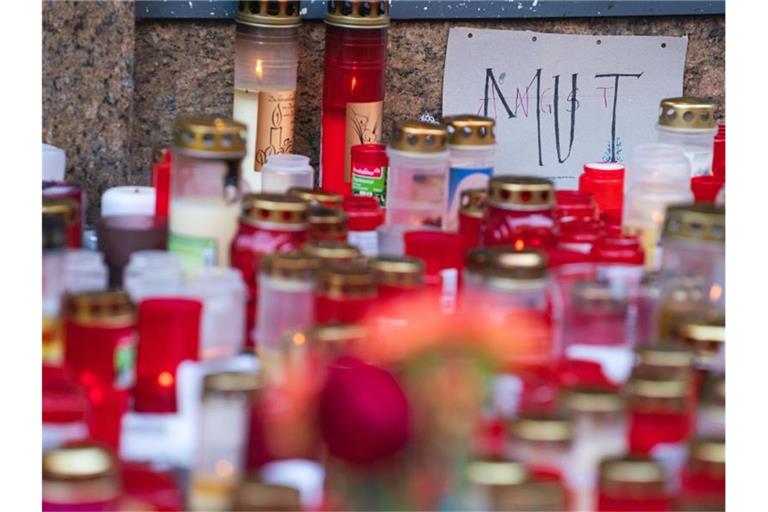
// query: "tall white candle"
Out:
[128,200]
[201,231]
[246,110]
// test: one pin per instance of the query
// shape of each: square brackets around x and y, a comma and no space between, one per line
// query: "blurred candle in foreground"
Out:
[345,293]
[703,480]
[266,61]
[520,212]
[327,224]
[632,483]
[253,495]
[471,214]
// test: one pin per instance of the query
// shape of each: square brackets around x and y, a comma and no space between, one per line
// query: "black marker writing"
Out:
[491,80]
[574,80]
[616,77]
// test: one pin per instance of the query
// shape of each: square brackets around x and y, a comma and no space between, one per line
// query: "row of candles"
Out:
[177,342]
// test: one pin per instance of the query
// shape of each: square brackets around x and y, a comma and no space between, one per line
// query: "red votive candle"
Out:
[353,86]
[444,257]
[575,204]
[520,212]
[471,214]
[169,333]
[635,484]
[706,188]
[605,181]
[398,277]
[327,224]
[703,477]
[345,294]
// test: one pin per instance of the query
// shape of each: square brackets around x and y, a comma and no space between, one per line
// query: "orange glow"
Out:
[299,339]
[353,84]
[715,292]
[657,217]
[519,245]
[165,379]
[224,468]
[259,69]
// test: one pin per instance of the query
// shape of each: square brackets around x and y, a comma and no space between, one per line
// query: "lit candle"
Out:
[128,200]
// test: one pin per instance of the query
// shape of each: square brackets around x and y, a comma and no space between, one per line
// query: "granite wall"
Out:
[112,86]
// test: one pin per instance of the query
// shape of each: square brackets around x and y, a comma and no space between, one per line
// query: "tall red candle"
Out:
[353,86]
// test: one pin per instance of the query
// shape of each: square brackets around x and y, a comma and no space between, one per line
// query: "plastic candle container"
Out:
[703,478]
[443,255]
[578,234]
[471,214]
[122,235]
[332,252]
[282,172]
[632,484]
[269,223]
[599,431]
[353,86]
[418,168]
[370,165]
[316,196]
[489,479]
[64,408]
[705,335]
[694,244]
[169,334]
[472,146]
[326,224]
[605,181]
[220,459]
[80,476]
[345,294]
[364,216]
[520,212]
[205,198]
[398,276]
[266,62]
[153,273]
[84,271]
[658,175]
[223,294]
[575,204]
[253,495]
[690,124]
[543,443]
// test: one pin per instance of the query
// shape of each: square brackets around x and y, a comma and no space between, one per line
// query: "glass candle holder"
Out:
[370,166]
[632,483]
[605,181]
[223,293]
[680,297]
[84,271]
[489,479]
[473,275]
[284,171]
[689,123]
[398,276]
[345,294]
[353,86]
[579,234]
[658,175]
[520,212]
[317,197]
[364,216]
[153,273]
[220,459]
[575,204]
[471,213]
[122,235]
[694,244]
[80,476]
[269,223]
[704,334]
[266,62]
[418,168]
[443,255]
[703,479]
[169,334]
[472,146]
[205,196]
[326,224]
[64,408]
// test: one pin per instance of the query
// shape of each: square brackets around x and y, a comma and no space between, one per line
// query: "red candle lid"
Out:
[706,188]
[374,155]
[605,180]
[575,203]
[618,249]
[579,230]
[363,213]
[438,249]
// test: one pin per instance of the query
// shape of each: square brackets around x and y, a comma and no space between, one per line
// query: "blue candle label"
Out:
[195,252]
[460,179]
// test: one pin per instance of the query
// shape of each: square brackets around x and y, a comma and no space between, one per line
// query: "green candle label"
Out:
[371,182]
[195,252]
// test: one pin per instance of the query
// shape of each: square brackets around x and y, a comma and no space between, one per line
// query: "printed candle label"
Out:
[195,252]
[125,361]
[460,179]
[274,127]
[371,182]
[363,127]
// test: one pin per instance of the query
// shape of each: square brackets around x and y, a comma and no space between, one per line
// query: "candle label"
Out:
[274,126]
[371,182]
[125,361]
[462,179]
[363,127]
[195,252]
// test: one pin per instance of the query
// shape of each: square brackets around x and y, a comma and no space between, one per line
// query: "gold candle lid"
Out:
[256,496]
[469,130]
[325,223]
[506,263]
[533,495]
[103,308]
[274,208]
[496,472]
[401,271]
[231,382]
[591,400]
[332,250]
[358,14]
[473,202]
[65,207]
[78,461]
[210,137]
[418,137]
[687,114]
[328,340]
[542,429]
[658,395]
[350,281]
[263,13]
[597,297]
[665,360]
[695,221]
[708,454]
[521,192]
[631,476]
[317,196]
[290,265]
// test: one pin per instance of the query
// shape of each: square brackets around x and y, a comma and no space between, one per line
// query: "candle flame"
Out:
[224,468]
[259,68]
[715,292]
[353,84]
[519,245]
[299,339]
[165,379]
[657,217]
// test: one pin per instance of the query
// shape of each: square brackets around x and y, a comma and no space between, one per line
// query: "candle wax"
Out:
[201,231]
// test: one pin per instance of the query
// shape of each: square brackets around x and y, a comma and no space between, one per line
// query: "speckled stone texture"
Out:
[184,67]
[88,55]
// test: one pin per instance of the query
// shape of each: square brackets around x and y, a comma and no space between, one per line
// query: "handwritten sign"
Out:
[561,100]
